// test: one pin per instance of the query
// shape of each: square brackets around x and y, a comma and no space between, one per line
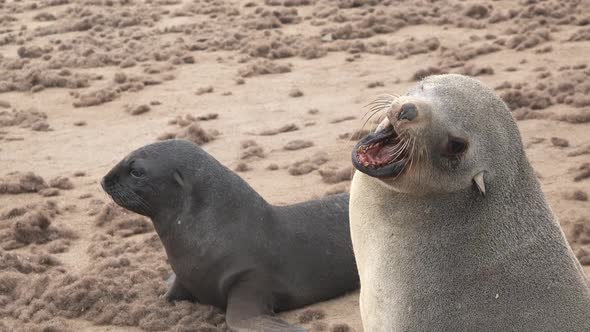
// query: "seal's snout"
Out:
[107,182]
[382,154]
[408,112]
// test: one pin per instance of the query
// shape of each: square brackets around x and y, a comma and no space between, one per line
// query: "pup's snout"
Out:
[107,182]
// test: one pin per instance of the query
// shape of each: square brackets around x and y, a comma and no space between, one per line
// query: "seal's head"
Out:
[443,136]
[151,179]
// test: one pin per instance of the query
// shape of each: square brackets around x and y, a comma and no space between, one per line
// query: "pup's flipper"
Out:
[249,309]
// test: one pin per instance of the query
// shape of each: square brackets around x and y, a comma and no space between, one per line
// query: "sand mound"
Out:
[576,195]
[191,130]
[251,150]
[33,224]
[61,182]
[122,288]
[96,98]
[582,172]
[582,34]
[308,165]
[25,264]
[242,167]
[30,118]
[343,118]
[574,117]
[130,226]
[560,142]
[579,151]
[581,231]
[208,116]
[17,183]
[311,315]
[137,109]
[121,222]
[196,134]
[334,175]
[301,167]
[297,144]
[204,90]
[570,86]
[264,67]
[284,129]
[36,79]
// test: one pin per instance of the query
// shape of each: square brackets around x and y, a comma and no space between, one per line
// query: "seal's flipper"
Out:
[480,183]
[249,309]
[176,292]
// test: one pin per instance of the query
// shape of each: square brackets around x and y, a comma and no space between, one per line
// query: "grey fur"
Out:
[436,255]
[227,246]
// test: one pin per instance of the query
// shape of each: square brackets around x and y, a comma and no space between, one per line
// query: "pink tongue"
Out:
[386,154]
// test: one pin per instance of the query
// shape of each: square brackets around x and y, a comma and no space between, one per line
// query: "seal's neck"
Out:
[507,201]
[218,198]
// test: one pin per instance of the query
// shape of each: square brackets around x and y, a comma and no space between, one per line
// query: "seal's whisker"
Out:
[405,147]
[132,197]
[383,98]
[377,108]
[412,152]
[123,193]
[142,202]
[116,191]
[423,153]
[386,96]
[380,102]
[397,151]
[369,118]
[108,197]
[399,148]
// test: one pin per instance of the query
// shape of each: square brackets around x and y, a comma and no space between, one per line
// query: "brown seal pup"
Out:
[227,246]
[450,228]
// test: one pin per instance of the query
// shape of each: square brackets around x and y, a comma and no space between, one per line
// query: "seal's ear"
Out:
[478,179]
[178,178]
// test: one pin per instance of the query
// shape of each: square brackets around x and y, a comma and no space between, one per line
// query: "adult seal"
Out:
[450,229]
[227,246]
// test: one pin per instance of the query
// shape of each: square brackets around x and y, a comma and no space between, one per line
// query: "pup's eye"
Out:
[455,147]
[136,173]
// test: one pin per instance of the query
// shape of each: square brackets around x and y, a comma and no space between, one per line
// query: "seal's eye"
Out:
[137,173]
[455,147]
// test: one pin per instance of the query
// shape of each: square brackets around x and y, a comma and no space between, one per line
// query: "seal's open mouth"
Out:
[381,154]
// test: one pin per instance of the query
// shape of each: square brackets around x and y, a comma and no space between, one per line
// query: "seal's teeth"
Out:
[366,164]
[360,149]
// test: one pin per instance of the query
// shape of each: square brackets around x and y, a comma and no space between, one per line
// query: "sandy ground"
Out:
[82,83]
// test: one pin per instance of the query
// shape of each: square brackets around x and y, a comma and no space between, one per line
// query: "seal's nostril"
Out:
[408,112]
